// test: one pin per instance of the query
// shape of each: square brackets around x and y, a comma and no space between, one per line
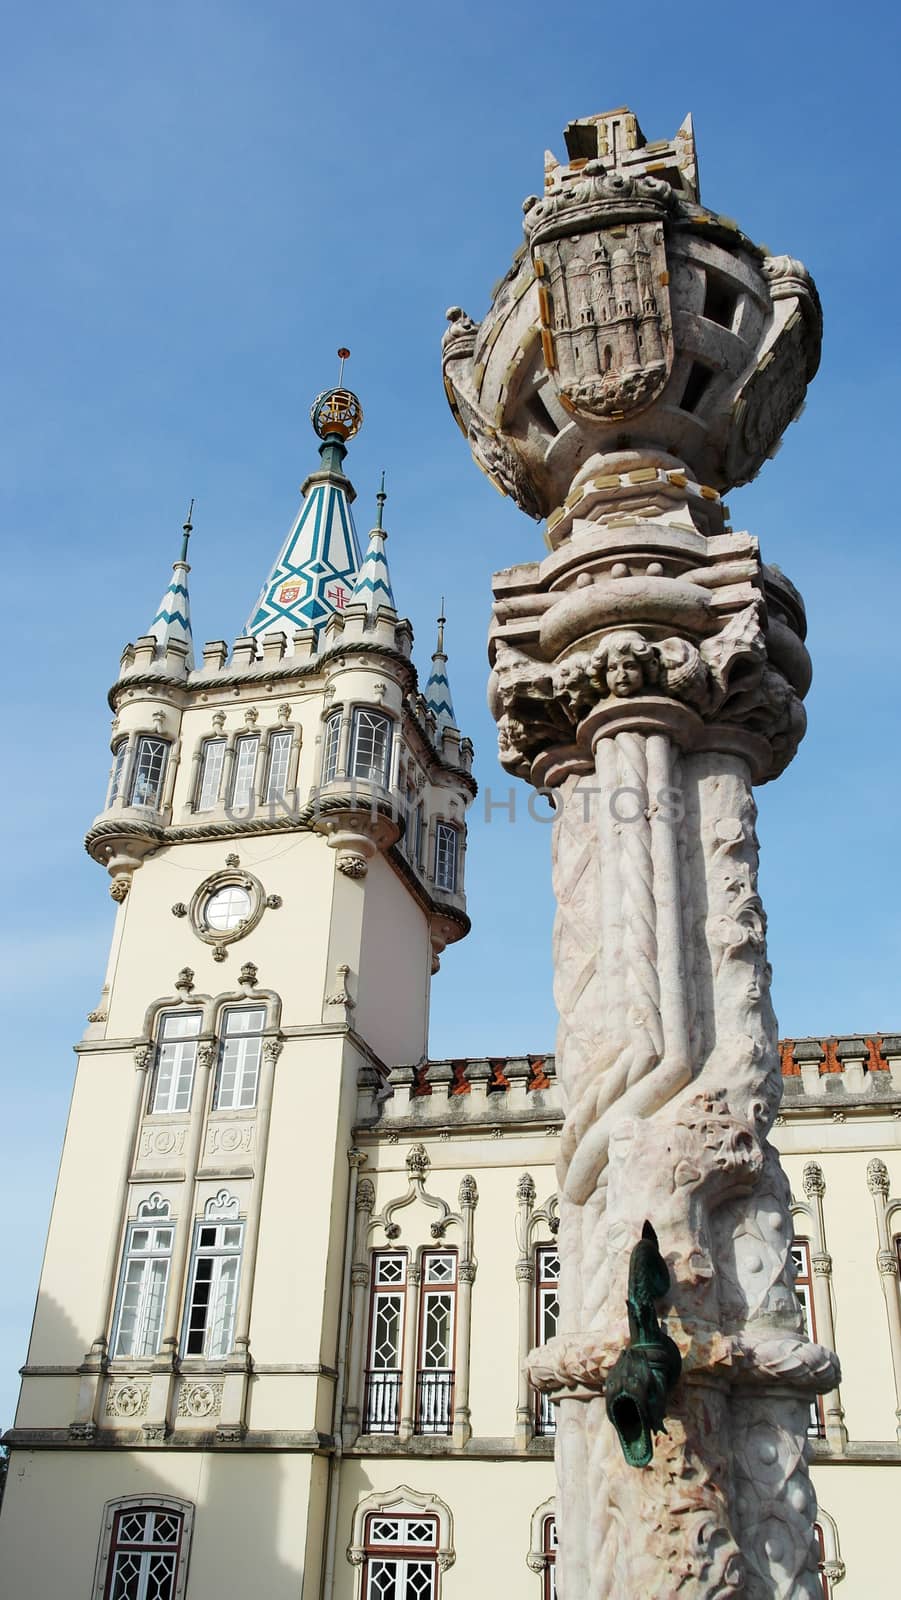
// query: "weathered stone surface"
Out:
[641,356]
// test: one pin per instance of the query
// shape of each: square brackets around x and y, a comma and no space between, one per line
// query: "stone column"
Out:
[646,674]
[360,1278]
[814,1182]
[525,1288]
[466,1275]
[411,1343]
[887,1262]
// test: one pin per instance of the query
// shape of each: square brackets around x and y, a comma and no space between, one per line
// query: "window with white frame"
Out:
[800,1251]
[547,1316]
[437,1331]
[447,845]
[212,760]
[277,770]
[331,745]
[246,749]
[143,1280]
[213,1293]
[120,751]
[149,769]
[400,1558]
[176,1058]
[144,1549]
[370,746]
[239,1058]
[381,1407]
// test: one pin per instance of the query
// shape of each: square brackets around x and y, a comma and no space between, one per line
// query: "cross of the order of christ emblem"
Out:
[337,595]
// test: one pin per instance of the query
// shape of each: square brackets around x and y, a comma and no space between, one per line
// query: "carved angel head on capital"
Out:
[626,663]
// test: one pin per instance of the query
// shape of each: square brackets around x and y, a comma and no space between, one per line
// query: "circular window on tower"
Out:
[226,906]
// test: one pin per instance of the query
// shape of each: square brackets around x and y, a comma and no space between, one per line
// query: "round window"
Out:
[227,907]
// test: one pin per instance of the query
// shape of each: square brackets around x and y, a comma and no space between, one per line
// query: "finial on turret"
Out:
[337,413]
[380,499]
[187,529]
[438,696]
[373,585]
[442,619]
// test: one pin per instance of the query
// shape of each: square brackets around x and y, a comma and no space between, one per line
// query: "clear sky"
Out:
[201,202]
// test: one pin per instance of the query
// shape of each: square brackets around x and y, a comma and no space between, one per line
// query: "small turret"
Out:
[172,623]
[438,698]
[373,585]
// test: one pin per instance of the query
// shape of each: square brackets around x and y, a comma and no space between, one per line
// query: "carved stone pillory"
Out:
[640,357]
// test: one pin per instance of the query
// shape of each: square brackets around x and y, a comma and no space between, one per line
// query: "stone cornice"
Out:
[264,673]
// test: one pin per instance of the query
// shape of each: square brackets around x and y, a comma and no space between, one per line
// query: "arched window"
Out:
[239,1058]
[330,747]
[447,851]
[120,750]
[244,771]
[149,769]
[401,1543]
[370,746]
[278,765]
[144,1548]
[176,1055]
[210,782]
[542,1556]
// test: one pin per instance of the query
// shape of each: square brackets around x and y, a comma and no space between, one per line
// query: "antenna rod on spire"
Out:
[343,355]
[380,499]
[188,529]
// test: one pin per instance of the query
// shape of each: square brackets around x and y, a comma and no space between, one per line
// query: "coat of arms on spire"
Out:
[317,568]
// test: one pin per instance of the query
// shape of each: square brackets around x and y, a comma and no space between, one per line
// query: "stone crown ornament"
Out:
[633,319]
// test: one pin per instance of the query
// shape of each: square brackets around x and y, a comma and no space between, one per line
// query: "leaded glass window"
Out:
[239,1058]
[401,1558]
[371,747]
[386,1342]
[213,1296]
[331,746]
[547,1307]
[144,1554]
[120,751]
[435,1374]
[277,774]
[140,1303]
[446,850]
[176,1055]
[150,765]
[245,769]
[800,1251]
[211,763]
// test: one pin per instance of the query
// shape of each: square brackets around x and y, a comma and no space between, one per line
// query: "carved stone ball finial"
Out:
[418,1162]
[184,983]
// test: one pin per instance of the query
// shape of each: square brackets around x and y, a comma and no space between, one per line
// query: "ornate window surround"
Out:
[833,1568]
[151,1502]
[533,1226]
[536,1560]
[399,1501]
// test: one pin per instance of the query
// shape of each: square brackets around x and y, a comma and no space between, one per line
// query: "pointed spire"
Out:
[373,585]
[317,567]
[438,692]
[172,623]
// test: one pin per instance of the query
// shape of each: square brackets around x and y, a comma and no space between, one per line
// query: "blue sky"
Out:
[201,202]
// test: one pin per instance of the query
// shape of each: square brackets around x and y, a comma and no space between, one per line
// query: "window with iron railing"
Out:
[381,1406]
[437,1332]
[547,1317]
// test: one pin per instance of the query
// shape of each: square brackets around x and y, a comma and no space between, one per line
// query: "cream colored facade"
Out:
[279,1456]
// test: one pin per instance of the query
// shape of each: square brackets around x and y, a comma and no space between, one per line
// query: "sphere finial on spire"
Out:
[337,413]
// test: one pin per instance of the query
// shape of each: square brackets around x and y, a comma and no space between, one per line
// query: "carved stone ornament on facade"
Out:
[646,673]
[184,983]
[248,974]
[179,909]
[127,1399]
[351,864]
[199,1400]
[813,1179]
[877,1177]
[119,889]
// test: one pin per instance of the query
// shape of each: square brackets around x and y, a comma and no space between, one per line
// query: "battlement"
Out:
[488,1092]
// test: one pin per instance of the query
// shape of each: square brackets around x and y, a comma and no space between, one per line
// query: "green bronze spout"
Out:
[647,1371]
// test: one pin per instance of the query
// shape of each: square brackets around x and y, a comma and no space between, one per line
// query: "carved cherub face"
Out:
[626,664]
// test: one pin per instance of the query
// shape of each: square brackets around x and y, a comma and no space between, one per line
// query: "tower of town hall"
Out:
[283,830]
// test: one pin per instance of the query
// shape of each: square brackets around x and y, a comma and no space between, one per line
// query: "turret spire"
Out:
[315,572]
[373,585]
[438,692]
[172,623]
